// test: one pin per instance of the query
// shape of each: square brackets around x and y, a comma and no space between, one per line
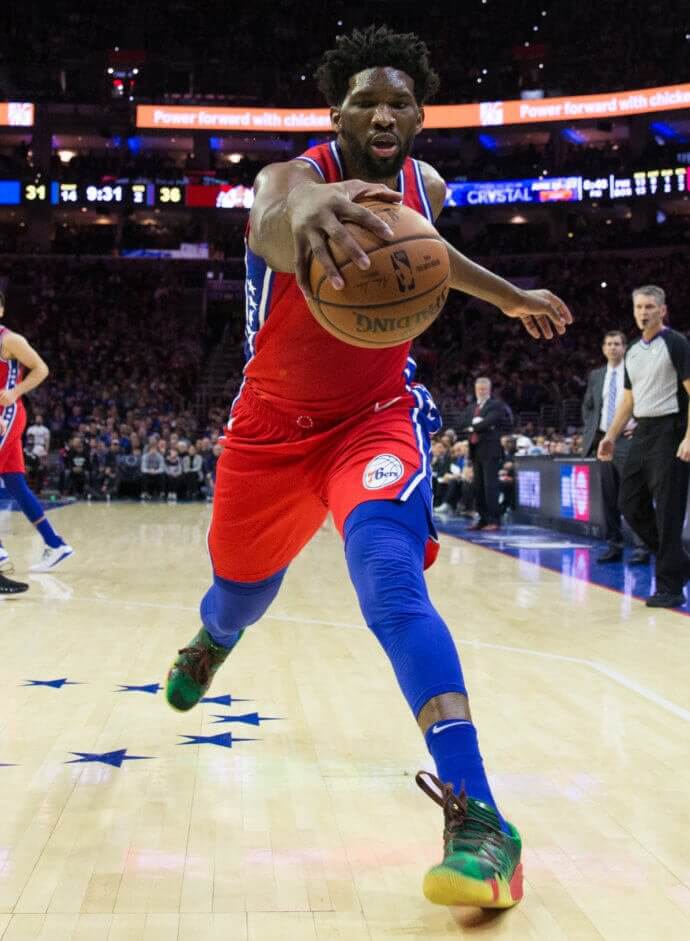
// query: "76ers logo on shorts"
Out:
[382,471]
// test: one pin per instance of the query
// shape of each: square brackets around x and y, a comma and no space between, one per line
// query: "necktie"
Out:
[611,405]
[474,437]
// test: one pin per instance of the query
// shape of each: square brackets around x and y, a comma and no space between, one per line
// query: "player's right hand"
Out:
[3,427]
[317,212]
[605,449]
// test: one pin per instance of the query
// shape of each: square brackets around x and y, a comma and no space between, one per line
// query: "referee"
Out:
[654,486]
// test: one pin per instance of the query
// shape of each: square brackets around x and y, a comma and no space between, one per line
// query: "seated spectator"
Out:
[506,484]
[153,472]
[193,471]
[107,480]
[129,474]
[210,470]
[40,434]
[77,469]
[173,475]
[453,486]
[35,474]
[440,465]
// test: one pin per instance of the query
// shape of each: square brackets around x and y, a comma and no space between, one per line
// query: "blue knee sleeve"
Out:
[228,607]
[384,548]
[18,489]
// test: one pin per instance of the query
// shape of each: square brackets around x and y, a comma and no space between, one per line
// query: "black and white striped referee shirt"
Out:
[655,371]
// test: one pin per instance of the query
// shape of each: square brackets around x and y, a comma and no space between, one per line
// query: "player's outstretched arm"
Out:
[538,310]
[16,347]
[295,214]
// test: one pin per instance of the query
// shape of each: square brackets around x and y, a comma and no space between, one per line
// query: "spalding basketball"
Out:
[398,296]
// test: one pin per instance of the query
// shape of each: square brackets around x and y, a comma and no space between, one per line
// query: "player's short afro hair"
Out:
[374,47]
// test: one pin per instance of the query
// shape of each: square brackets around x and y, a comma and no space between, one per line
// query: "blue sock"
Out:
[17,487]
[454,747]
[50,537]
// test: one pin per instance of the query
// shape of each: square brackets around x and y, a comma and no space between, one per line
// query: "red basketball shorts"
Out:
[11,451]
[12,456]
[277,481]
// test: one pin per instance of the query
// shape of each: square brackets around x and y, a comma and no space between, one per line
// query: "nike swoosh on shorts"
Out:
[379,407]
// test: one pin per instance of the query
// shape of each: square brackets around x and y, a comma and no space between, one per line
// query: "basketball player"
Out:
[320,425]
[7,585]
[16,356]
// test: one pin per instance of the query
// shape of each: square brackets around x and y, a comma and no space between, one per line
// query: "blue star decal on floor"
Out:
[150,688]
[226,700]
[54,684]
[225,740]
[249,718]
[114,758]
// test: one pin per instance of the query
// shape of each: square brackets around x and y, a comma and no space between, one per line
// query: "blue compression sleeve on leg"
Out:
[384,548]
[17,487]
[228,607]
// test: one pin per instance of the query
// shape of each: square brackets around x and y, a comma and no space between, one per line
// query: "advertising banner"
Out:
[16,114]
[481,114]
[575,492]
[529,489]
[502,192]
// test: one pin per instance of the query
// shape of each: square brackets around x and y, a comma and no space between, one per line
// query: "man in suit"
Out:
[604,392]
[485,425]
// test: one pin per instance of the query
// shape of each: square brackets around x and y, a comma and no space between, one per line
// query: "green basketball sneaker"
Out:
[195,666]
[481,864]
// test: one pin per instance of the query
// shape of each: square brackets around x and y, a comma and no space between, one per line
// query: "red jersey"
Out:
[14,415]
[292,362]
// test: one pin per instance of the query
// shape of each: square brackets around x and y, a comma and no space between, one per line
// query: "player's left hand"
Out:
[8,397]
[3,427]
[683,451]
[538,310]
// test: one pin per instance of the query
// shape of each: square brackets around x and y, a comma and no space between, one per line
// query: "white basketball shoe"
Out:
[52,557]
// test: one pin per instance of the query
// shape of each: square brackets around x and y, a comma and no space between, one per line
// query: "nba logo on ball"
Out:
[382,471]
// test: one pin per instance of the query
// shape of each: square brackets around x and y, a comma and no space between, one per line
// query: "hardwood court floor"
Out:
[310,826]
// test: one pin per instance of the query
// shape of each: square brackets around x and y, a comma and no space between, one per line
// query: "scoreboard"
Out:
[141,194]
[670,182]
[147,194]
[144,194]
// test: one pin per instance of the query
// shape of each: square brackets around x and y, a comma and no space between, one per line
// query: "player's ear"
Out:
[420,118]
[336,115]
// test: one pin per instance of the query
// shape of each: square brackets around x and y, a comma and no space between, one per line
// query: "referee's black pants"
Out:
[653,496]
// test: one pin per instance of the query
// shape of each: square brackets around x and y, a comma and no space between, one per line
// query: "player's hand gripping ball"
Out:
[398,296]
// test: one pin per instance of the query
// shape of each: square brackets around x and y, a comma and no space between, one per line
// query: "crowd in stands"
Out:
[461,158]
[125,344]
[131,346]
[262,52]
[606,229]
[452,473]
[471,339]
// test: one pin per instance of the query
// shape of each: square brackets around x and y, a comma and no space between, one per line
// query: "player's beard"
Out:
[373,168]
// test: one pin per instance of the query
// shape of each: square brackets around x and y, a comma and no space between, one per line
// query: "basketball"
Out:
[398,296]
